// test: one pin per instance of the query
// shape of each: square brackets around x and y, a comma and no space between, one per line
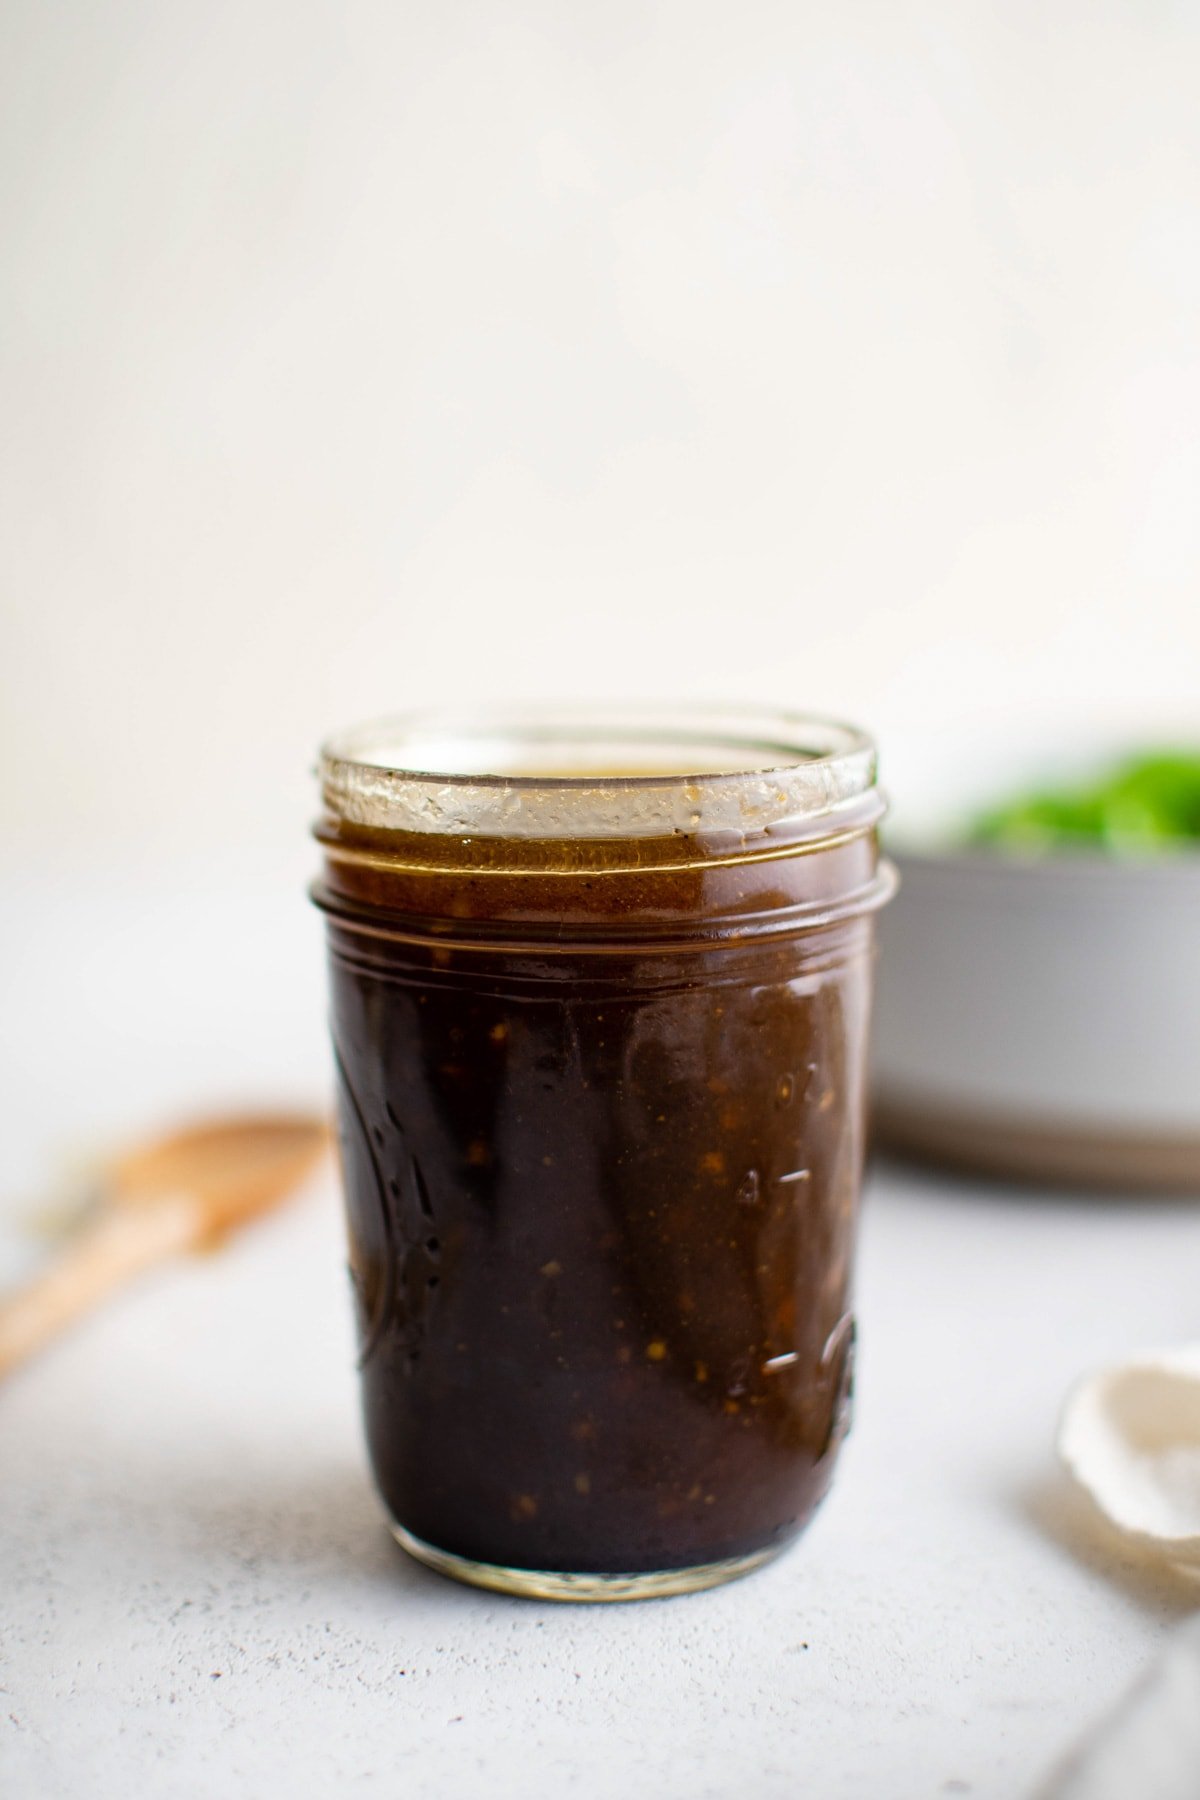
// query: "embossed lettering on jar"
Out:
[600,1041]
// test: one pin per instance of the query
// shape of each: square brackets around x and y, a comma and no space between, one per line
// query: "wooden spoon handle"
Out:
[118,1246]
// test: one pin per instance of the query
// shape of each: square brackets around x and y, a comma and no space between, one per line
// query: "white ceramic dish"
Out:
[1037,1017]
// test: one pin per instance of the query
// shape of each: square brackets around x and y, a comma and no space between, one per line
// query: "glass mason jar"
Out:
[600,993]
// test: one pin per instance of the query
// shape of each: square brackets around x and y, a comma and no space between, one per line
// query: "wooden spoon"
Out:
[182,1192]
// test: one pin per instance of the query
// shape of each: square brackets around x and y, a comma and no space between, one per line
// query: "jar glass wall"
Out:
[600,995]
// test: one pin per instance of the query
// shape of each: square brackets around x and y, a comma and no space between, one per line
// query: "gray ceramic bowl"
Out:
[1036,1017]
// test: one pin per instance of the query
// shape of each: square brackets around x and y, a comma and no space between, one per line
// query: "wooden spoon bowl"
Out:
[181,1192]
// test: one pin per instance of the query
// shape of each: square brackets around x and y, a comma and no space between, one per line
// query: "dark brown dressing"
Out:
[601,1113]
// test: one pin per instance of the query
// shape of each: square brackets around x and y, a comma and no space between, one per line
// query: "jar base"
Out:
[546,1584]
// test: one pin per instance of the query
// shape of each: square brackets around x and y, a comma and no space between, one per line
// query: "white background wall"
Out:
[357,355]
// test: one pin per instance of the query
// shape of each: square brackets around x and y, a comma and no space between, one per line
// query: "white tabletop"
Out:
[199,1597]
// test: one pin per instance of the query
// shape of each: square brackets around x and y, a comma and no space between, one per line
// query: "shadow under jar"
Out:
[600,997]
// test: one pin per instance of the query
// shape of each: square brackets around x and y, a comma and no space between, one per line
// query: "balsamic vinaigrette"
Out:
[602,1108]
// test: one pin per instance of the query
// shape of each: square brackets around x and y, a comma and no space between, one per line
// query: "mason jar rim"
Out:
[607,771]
